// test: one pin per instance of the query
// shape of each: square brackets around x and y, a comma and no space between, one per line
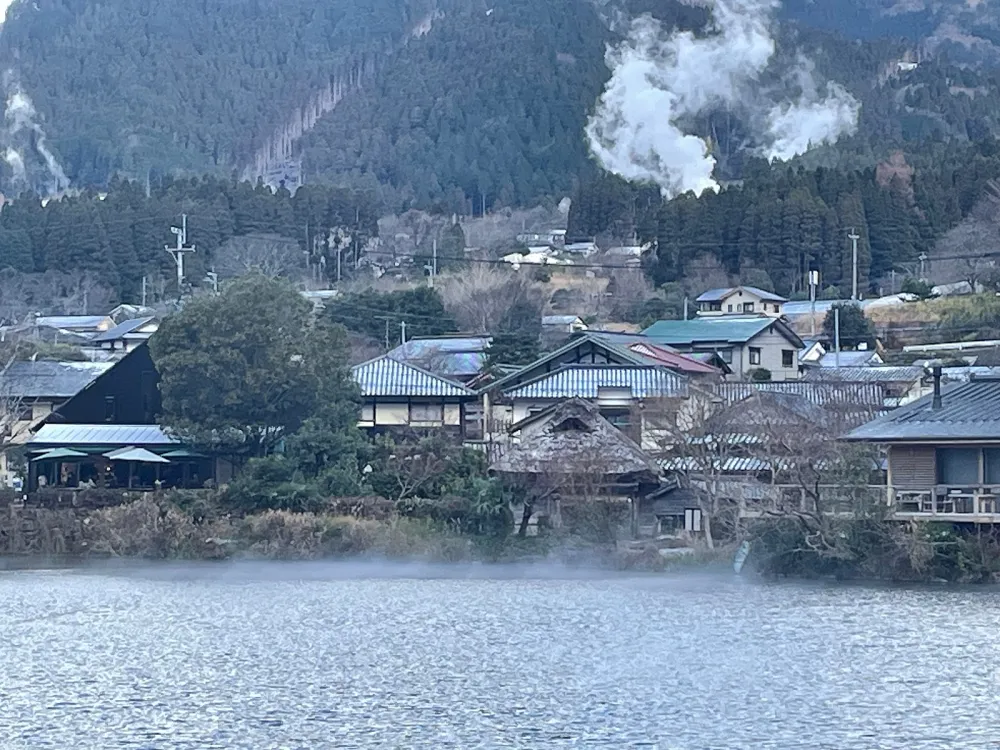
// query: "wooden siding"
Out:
[912,466]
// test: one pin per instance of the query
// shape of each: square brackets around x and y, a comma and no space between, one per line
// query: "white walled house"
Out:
[740,300]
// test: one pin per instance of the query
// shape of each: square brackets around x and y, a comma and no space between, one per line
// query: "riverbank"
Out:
[155,528]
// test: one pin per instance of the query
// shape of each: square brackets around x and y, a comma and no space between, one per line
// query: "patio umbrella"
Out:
[136,454]
[183,453]
[133,455]
[59,453]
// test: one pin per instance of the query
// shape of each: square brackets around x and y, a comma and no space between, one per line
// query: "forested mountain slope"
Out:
[132,85]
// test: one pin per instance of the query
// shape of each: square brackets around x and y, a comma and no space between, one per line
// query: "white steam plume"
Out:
[660,82]
[20,115]
[16,164]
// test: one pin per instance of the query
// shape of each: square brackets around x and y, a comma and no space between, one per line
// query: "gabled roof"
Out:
[586,381]
[632,349]
[576,441]
[101,434]
[718,295]
[80,322]
[969,411]
[123,329]
[851,402]
[865,358]
[874,374]
[455,356]
[48,379]
[724,329]
[387,377]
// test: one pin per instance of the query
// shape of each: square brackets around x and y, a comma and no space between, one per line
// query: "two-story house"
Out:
[748,344]
[740,300]
[399,395]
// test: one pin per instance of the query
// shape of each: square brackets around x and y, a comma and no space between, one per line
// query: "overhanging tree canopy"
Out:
[241,371]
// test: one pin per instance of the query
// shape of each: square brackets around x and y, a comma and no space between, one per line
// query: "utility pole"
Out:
[813,283]
[923,266]
[836,334]
[143,291]
[685,308]
[402,331]
[178,252]
[854,237]
[213,279]
[387,334]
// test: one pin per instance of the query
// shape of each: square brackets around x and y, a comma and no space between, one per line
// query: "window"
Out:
[991,459]
[754,355]
[777,308]
[726,355]
[426,413]
[748,307]
[109,408]
[958,466]
[787,358]
[729,308]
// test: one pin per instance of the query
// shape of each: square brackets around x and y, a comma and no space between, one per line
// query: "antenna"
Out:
[178,252]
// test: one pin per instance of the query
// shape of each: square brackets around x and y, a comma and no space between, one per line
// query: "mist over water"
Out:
[422,656]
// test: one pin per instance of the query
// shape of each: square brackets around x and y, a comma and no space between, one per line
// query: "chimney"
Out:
[936,402]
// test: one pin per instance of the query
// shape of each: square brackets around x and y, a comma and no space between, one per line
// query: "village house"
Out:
[565,324]
[740,300]
[900,384]
[568,460]
[617,371]
[853,358]
[81,325]
[751,345]
[812,351]
[125,336]
[106,435]
[399,395]
[943,453]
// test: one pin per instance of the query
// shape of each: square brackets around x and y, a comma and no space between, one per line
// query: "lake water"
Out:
[340,656]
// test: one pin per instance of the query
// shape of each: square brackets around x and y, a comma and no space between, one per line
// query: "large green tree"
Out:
[242,371]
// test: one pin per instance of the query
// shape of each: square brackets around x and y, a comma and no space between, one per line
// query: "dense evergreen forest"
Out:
[784,221]
[136,85]
[121,237]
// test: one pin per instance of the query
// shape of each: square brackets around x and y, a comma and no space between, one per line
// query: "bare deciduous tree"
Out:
[481,297]
[269,254]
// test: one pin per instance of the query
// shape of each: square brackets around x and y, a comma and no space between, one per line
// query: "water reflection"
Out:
[316,656]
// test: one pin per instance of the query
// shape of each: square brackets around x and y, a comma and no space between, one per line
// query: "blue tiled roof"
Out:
[585,381]
[387,377]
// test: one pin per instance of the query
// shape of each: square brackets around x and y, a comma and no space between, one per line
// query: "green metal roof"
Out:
[727,329]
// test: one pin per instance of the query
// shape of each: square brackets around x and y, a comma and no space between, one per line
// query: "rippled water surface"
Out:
[284,656]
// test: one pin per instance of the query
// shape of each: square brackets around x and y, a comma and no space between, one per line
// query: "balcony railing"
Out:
[947,502]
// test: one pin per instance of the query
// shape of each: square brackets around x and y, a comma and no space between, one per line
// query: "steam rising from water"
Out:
[660,82]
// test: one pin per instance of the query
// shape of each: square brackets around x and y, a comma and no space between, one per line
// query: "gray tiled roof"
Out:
[445,355]
[717,295]
[100,434]
[585,381]
[48,379]
[71,321]
[386,377]
[876,374]
[849,359]
[854,395]
[969,411]
[122,329]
